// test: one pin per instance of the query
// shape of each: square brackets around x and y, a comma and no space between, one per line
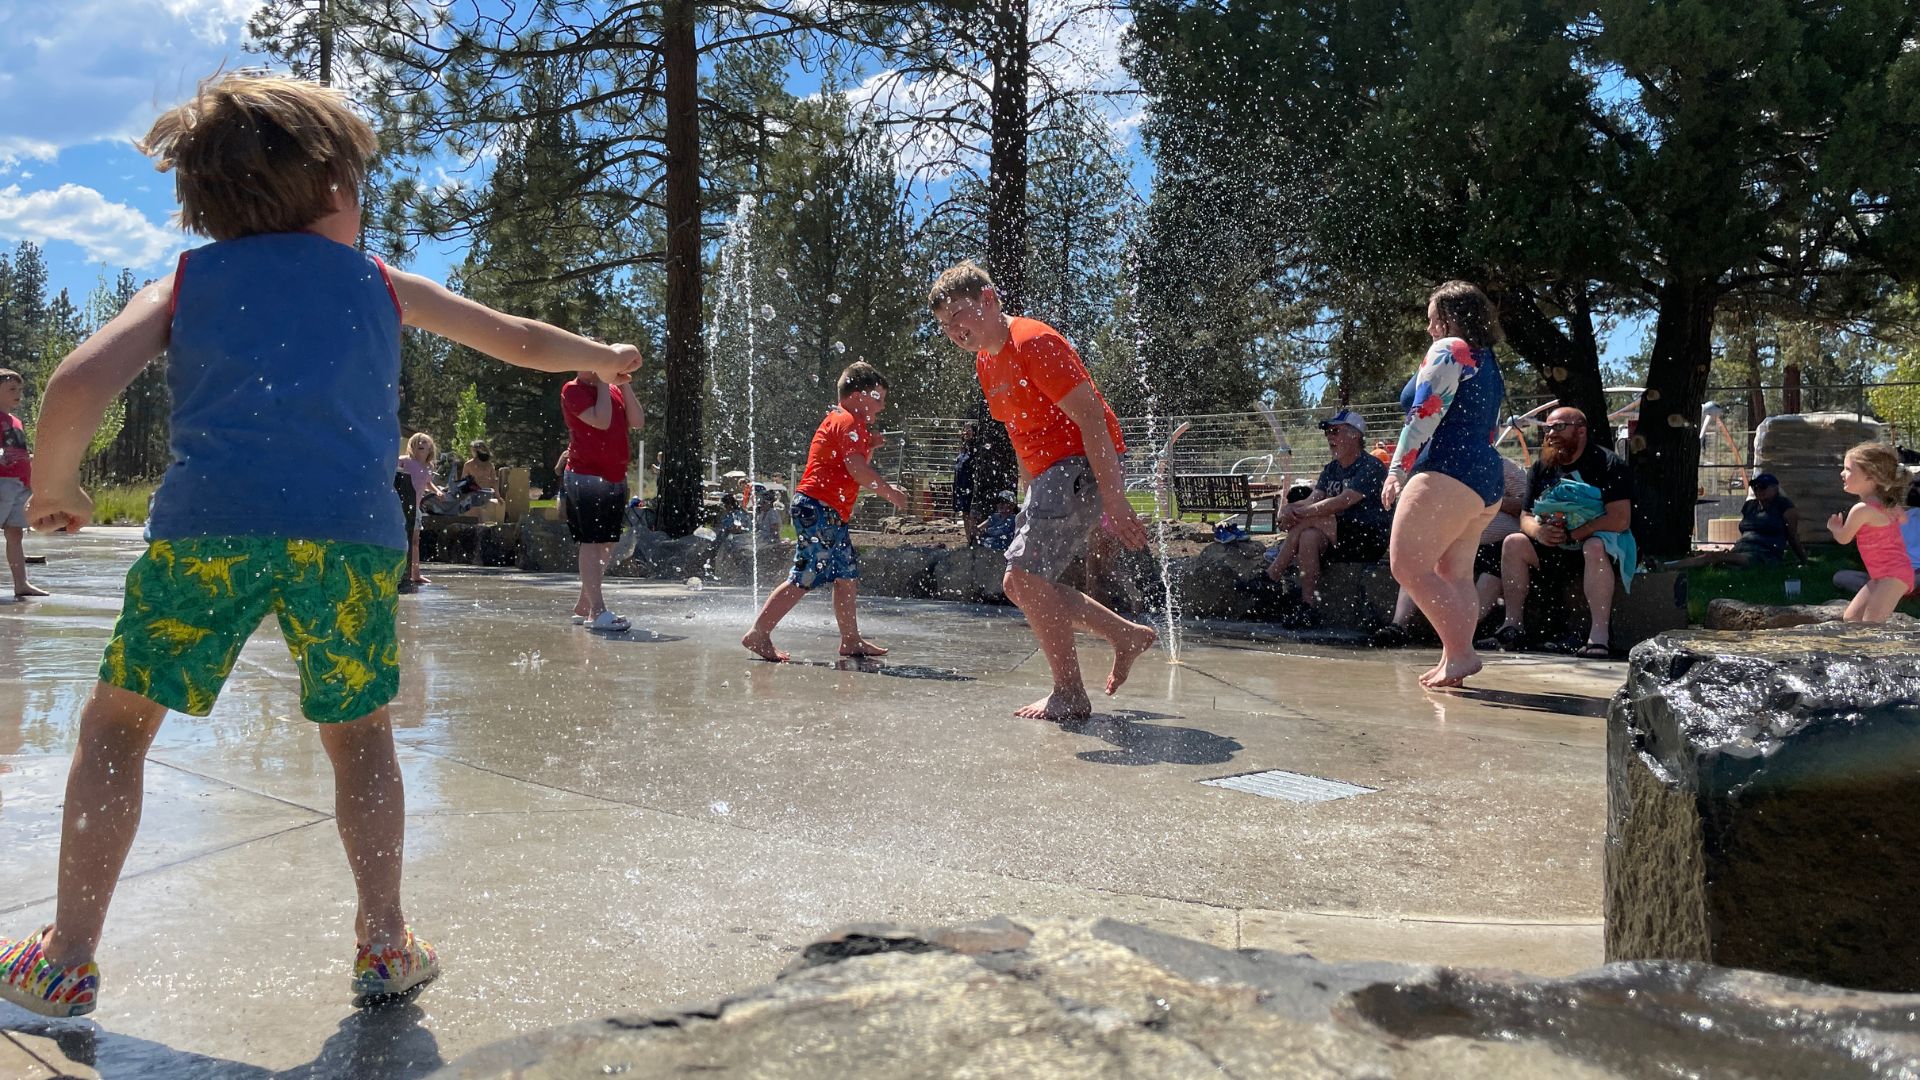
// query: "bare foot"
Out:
[1452,672]
[1126,651]
[1061,705]
[760,644]
[862,648]
[31,590]
[419,580]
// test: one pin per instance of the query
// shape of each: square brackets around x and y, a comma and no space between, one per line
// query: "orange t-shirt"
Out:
[1023,382]
[840,436]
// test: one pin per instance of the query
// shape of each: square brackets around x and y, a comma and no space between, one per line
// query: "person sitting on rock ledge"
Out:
[1341,520]
[1558,549]
[997,532]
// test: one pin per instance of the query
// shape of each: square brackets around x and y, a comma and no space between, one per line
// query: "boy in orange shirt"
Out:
[1069,447]
[837,468]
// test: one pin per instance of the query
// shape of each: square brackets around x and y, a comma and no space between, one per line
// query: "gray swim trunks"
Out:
[1061,511]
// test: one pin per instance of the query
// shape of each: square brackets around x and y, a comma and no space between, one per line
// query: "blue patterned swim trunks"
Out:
[825,551]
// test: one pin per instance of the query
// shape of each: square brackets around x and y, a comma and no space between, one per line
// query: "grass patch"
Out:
[539,504]
[122,504]
[1767,584]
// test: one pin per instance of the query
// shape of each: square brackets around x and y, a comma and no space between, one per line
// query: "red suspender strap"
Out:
[179,275]
[388,278]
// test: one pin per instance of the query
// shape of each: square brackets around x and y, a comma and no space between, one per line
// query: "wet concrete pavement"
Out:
[605,823]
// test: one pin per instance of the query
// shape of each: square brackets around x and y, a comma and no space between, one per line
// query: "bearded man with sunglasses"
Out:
[1541,544]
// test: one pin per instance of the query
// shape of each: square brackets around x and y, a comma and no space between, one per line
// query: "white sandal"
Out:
[610,622]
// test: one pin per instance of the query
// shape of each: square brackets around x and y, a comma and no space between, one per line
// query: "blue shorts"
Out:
[825,551]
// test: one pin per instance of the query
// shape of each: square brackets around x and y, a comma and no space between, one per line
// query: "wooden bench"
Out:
[1224,493]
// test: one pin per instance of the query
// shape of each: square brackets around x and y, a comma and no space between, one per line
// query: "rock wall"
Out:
[1101,999]
[1804,450]
[1763,803]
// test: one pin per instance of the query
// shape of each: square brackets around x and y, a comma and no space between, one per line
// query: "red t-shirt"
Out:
[840,436]
[16,460]
[1024,380]
[593,451]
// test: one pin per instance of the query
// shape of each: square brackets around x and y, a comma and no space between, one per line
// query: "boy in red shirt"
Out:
[1069,447]
[837,468]
[16,482]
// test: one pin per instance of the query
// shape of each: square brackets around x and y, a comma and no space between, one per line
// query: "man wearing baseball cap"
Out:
[1342,520]
[1769,525]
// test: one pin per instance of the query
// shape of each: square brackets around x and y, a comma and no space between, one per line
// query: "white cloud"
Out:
[74,72]
[109,232]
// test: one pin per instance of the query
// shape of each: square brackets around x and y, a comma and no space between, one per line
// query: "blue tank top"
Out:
[284,366]
[1462,446]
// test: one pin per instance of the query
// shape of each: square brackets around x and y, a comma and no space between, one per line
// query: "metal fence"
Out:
[1285,447]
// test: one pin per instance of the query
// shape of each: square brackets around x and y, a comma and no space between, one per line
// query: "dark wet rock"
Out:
[1357,596]
[969,574]
[896,571]
[546,547]
[733,561]
[1210,582]
[681,557]
[1763,804]
[1091,998]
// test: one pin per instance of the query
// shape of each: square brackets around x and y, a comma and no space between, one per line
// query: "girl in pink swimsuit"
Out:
[1873,473]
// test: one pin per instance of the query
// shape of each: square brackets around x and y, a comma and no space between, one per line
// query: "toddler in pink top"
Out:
[1873,473]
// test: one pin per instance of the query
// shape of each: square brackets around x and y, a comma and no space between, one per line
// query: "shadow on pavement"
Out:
[1138,743]
[1567,704]
[384,1043]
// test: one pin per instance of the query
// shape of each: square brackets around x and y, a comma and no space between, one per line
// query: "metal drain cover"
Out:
[1291,786]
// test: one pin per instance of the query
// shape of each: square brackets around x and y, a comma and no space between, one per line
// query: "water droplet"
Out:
[799,206]
[792,349]
[694,584]
[833,298]
[766,312]
[840,347]
[720,807]
[781,272]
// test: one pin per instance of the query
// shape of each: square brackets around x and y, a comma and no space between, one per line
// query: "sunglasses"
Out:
[1564,425]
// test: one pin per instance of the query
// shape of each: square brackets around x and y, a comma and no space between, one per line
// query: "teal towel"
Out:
[1581,503]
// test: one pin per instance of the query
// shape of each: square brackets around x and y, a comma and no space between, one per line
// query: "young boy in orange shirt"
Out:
[1069,447]
[837,468]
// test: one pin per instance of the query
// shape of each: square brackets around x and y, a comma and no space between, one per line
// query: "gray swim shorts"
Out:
[1061,511]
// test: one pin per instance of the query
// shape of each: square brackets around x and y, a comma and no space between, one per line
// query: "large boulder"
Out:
[1209,583]
[733,560]
[896,571]
[1101,999]
[679,557]
[546,547]
[1804,451]
[1357,596]
[970,574]
[1763,803]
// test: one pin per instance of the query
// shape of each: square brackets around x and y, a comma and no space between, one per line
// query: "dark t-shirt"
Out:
[1366,476]
[1765,524]
[1596,465]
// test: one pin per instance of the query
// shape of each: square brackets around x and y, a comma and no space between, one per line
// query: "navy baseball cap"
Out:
[1765,479]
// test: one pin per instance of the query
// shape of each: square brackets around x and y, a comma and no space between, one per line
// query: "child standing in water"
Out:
[1069,447]
[417,463]
[16,481]
[837,468]
[1872,472]
[284,346]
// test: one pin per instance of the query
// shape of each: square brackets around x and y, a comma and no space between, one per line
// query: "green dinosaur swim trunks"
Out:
[191,604]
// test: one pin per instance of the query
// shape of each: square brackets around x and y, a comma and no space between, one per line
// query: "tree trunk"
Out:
[1007,157]
[1666,442]
[678,501]
[1569,362]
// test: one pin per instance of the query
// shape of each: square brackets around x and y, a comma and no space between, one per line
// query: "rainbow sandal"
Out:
[394,969]
[30,981]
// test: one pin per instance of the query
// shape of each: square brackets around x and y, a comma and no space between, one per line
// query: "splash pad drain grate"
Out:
[1291,786]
